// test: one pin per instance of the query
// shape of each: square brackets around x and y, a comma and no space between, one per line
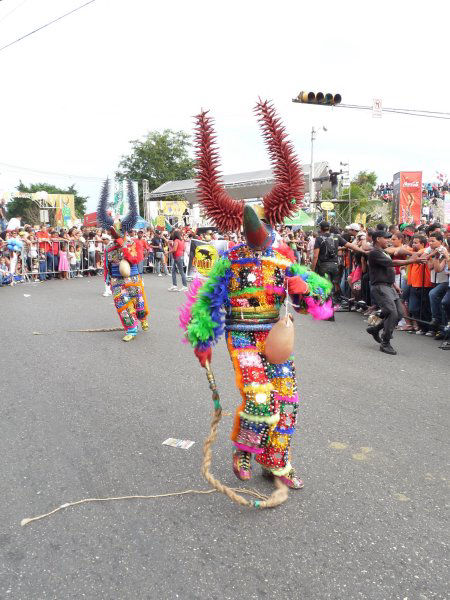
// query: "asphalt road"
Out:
[84,415]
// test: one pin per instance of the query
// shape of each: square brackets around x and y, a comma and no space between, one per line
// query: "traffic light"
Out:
[318,98]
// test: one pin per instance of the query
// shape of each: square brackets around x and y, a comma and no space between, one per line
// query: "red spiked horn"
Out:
[220,207]
[285,198]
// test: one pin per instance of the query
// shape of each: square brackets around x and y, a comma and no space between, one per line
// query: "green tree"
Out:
[159,157]
[29,210]
[23,208]
[363,200]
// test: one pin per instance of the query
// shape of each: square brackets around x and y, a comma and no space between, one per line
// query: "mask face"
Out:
[257,233]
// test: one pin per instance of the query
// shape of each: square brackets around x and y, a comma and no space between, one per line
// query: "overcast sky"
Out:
[74,94]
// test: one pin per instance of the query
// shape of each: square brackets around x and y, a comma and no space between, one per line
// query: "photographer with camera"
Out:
[325,258]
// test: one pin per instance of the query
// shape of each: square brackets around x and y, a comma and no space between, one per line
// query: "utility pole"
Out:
[311,178]
[145,197]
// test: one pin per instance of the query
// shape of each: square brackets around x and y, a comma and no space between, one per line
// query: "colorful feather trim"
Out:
[318,286]
[207,319]
[185,309]
[317,310]
[286,252]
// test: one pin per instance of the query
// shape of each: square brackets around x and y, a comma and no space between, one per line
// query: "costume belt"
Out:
[250,324]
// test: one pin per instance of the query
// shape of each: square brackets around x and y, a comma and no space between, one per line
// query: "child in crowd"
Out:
[98,253]
[64,266]
[42,265]
[78,255]
[72,260]
[14,257]
[4,271]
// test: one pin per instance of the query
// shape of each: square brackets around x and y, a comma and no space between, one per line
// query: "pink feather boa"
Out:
[317,310]
[185,310]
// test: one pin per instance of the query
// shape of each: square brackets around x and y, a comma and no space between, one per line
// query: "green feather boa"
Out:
[318,286]
[201,328]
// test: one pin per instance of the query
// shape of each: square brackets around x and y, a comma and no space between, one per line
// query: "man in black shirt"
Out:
[383,291]
[325,258]
[334,182]
[158,251]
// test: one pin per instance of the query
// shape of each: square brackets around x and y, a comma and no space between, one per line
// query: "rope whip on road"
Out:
[277,497]
[262,501]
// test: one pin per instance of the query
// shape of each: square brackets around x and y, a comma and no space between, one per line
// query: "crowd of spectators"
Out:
[431,192]
[51,253]
[423,287]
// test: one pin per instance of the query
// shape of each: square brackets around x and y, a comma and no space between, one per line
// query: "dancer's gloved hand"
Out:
[203,355]
[296,285]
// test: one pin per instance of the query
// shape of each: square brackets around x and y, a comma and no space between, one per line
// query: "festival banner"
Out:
[90,219]
[408,196]
[447,208]
[203,255]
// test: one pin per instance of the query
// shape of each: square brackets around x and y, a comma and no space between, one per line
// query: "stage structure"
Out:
[242,186]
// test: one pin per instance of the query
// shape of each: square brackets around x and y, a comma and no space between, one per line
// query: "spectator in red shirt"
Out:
[419,279]
[177,251]
[43,237]
[55,243]
[144,248]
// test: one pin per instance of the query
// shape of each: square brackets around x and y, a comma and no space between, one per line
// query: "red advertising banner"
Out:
[410,197]
[90,220]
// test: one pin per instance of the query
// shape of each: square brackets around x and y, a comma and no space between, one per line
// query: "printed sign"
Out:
[377,110]
[175,443]
[203,255]
[408,196]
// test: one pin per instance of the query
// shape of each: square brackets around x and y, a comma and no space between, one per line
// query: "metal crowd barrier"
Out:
[36,264]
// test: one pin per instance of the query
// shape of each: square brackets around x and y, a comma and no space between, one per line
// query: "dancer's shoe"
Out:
[290,478]
[241,465]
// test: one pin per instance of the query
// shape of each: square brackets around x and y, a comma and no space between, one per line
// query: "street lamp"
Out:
[311,177]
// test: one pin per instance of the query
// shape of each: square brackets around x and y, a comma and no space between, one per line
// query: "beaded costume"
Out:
[121,266]
[243,297]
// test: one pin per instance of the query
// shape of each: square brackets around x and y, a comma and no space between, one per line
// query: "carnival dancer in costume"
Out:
[121,265]
[243,297]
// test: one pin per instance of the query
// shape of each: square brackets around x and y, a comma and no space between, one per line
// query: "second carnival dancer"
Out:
[121,260]
[243,297]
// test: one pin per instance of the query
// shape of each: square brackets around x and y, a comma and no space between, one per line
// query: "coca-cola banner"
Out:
[408,196]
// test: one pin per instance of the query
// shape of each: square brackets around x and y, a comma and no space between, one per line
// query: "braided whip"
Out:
[277,497]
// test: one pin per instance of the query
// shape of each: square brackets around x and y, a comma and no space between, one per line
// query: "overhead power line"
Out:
[46,25]
[335,101]
[39,172]
[13,10]
[431,114]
